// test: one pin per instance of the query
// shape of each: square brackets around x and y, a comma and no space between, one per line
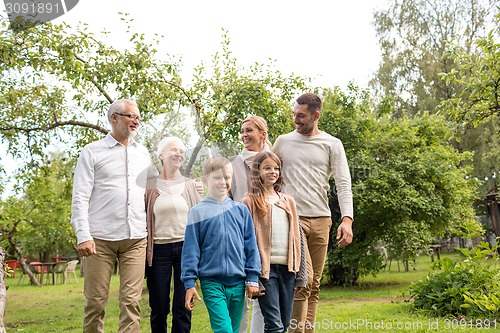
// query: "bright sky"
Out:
[332,41]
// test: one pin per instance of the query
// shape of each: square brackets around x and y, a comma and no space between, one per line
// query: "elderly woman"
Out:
[168,200]
[253,135]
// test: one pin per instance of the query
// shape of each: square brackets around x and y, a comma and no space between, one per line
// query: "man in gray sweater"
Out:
[310,157]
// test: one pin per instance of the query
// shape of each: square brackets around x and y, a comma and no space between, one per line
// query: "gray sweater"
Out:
[308,164]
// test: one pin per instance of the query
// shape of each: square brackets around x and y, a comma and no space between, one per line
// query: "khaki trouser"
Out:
[305,305]
[131,254]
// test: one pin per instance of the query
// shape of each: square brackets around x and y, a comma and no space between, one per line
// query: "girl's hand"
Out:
[253,292]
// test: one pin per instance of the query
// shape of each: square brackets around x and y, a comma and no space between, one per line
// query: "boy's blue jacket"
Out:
[220,244]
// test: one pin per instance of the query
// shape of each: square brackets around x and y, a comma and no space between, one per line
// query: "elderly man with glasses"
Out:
[108,215]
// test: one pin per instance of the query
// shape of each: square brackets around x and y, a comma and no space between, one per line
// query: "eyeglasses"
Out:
[130,116]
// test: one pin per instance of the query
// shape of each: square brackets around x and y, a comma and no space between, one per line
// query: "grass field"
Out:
[376,305]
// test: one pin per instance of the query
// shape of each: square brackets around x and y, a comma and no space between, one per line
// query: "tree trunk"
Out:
[194,155]
[23,263]
[3,290]
[495,216]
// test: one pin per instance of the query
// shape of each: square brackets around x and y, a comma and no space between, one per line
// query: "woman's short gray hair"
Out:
[166,142]
[119,106]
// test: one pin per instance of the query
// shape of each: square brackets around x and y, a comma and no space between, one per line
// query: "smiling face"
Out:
[219,182]
[269,172]
[173,156]
[305,120]
[123,127]
[253,139]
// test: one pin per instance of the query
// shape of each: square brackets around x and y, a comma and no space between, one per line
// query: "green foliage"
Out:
[224,94]
[483,305]
[475,110]
[57,82]
[479,75]
[468,287]
[413,35]
[38,222]
[408,183]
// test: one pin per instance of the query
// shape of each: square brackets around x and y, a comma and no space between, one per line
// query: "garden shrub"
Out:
[466,287]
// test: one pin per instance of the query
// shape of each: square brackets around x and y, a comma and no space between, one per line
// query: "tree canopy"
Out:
[476,109]
[413,36]
[409,186]
[36,220]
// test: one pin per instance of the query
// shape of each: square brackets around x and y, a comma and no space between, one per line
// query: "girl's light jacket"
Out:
[296,245]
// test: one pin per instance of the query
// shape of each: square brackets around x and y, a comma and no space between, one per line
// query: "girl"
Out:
[279,239]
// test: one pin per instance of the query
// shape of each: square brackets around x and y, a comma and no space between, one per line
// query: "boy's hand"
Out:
[252,291]
[191,293]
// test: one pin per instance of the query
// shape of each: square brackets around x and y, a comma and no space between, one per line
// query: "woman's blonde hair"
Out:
[261,125]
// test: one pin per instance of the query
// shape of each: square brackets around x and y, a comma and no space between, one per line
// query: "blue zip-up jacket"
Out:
[220,244]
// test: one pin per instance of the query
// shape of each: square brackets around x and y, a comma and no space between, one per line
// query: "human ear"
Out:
[316,115]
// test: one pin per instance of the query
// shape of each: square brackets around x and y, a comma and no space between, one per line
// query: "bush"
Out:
[468,287]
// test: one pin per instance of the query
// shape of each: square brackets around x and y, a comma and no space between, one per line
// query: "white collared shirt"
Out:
[108,191]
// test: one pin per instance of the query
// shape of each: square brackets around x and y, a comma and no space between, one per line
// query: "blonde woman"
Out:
[253,135]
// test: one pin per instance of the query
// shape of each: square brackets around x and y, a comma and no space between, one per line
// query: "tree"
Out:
[476,112]
[57,82]
[36,219]
[409,185]
[413,36]
[477,107]
[419,39]
[224,93]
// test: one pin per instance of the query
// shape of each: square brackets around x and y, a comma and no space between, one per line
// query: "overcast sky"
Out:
[332,41]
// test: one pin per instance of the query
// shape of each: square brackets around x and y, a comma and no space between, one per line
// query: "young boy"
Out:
[220,250]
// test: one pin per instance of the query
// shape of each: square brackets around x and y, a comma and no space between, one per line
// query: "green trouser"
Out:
[224,305]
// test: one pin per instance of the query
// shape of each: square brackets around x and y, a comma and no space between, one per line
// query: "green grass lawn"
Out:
[376,305]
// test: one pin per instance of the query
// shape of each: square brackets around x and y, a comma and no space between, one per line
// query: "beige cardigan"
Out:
[190,194]
[296,247]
